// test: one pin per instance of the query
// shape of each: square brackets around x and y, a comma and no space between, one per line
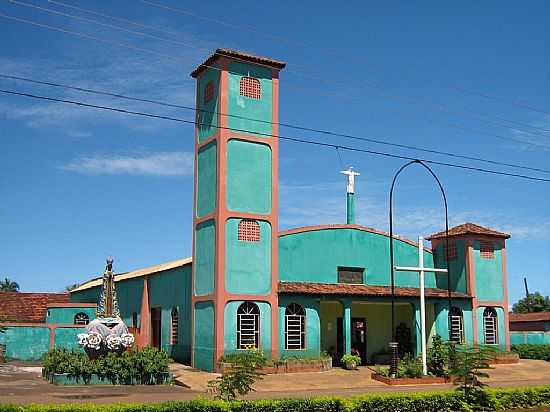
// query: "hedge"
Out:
[532,351]
[488,400]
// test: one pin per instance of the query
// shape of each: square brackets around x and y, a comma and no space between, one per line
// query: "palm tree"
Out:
[8,285]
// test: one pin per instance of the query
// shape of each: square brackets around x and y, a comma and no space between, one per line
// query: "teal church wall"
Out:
[457,267]
[203,345]
[68,338]
[247,264]
[26,342]
[501,332]
[241,107]
[172,289]
[207,114]
[530,337]
[313,326]
[66,316]
[230,326]
[489,286]
[314,256]
[206,179]
[442,319]
[205,254]
[249,167]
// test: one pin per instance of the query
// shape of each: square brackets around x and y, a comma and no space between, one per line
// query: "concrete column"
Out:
[417,329]
[347,326]
[350,216]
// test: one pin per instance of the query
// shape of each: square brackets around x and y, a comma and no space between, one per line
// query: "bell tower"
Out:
[235,218]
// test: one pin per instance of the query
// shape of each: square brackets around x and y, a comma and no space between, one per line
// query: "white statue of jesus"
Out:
[351,178]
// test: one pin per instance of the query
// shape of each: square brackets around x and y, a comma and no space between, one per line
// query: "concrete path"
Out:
[22,384]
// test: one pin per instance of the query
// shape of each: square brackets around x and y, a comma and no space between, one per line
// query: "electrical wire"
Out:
[287,138]
[126,45]
[89,37]
[111,26]
[437,107]
[288,125]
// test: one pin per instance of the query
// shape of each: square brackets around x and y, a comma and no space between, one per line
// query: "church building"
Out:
[303,291]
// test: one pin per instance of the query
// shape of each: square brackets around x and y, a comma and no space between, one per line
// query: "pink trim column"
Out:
[471,286]
[505,303]
[52,336]
[144,337]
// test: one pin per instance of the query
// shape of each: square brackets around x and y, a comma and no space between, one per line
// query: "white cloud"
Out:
[113,70]
[153,164]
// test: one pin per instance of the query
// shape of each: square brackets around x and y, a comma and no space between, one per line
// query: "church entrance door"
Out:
[156,326]
[358,338]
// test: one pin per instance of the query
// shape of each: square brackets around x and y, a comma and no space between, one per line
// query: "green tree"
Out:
[70,287]
[241,371]
[469,367]
[8,285]
[534,302]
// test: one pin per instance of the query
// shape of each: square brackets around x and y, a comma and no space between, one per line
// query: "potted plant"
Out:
[350,362]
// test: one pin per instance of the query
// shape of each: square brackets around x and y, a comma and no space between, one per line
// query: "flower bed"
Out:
[424,380]
[298,365]
[148,366]
[93,379]
[290,366]
[503,358]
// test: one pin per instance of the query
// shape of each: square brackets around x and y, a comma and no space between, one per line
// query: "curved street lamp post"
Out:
[394,344]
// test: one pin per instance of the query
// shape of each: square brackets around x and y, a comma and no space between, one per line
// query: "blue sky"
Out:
[80,184]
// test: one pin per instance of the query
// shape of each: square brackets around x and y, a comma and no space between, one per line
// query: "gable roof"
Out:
[238,55]
[529,317]
[135,274]
[470,229]
[28,307]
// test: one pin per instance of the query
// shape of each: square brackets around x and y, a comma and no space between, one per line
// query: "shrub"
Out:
[241,371]
[438,357]
[409,367]
[491,400]
[532,351]
[146,366]
[351,361]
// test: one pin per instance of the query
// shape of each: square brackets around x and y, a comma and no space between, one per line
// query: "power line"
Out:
[438,107]
[108,16]
[87,36]
[288,125]
[517,103]
[224,23]
[112,26]
[288,138]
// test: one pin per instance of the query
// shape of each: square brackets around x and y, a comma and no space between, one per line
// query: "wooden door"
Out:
[156,326]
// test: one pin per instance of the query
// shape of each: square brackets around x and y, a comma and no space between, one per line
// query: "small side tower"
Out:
[477,262]
[235,219]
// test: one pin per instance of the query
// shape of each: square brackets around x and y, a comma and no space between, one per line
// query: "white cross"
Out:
[351,178]
[421,270]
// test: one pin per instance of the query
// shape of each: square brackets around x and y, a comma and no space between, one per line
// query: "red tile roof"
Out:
[468,229]
[238,55]
[530,317]
[360,290]
[28,307]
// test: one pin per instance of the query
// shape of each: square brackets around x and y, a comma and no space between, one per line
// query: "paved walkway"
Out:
[23,384]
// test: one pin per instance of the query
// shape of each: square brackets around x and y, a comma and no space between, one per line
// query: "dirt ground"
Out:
[22,383]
